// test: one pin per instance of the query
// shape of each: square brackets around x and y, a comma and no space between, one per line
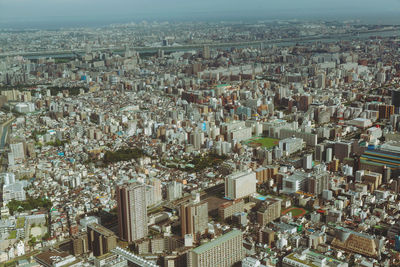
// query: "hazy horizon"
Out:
[70,13]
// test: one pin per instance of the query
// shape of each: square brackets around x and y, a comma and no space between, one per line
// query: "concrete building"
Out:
[132,211]
[295,182]
[174,190]
[223,251]
[355,242]
[241,184]
[291,145]
[100,239]
[309,258]
[269,211]
[194,218]
[229,208]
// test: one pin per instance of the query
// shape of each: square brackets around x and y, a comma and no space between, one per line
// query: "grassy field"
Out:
[20,222]
[266,142]
[296,212]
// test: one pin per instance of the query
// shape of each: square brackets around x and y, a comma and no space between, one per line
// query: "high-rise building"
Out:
[229,208]
[132,211]
[206,52]
[174,190]
[241,184]
[18,151]
[270,211]
[224,251]
[100,239]
[80,244]
[194,218]
[307,162]
[396,100]
[153,192]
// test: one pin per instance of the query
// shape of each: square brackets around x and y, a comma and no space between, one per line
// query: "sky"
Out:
[57,12]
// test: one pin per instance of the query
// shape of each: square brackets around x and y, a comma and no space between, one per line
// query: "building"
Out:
[229,208]
[110,260]
[295,182]
[263,174]
[266,236]
[251,262]
[342,150]
[223,251]
[132,211]
[396,100]
[355,242]
[54,258]
[100,239]
[194,218]
[317,183]
[174,190]
[206,52]
[309,258]
[307,162]
[80,244]
[241,184]
[387,156]
[14,191]
[269,211]
[18,151]
[291,145]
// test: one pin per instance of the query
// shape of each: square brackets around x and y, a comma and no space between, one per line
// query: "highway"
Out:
[227,45]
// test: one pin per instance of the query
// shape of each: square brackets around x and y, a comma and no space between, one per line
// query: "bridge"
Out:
[130,257]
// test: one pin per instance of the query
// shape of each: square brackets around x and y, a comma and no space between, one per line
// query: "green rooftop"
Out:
[220,240]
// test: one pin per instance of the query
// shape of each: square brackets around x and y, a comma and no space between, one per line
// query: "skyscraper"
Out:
[132,211]
[100,239]
[194,218]
[206,52]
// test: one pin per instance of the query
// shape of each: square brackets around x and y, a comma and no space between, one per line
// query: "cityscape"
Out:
[257,142]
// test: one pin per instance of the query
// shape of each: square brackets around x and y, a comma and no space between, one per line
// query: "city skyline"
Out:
[72,13]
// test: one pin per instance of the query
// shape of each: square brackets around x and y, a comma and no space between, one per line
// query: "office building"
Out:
[229,208]
[80,244]
[269,211]
[174,190]
[291,145]
[132,211]
[223,251]
[194,218]
[295,182]
[307,162]
[241,184]
[100,239]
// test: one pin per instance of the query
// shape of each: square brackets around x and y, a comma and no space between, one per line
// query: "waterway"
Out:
[227,46]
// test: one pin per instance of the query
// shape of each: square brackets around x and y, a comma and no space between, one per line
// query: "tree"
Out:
[32,241]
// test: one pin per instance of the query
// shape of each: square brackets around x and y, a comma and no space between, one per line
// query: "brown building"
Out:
[355,242]
[269,211]
[385,111]
[80,244]
[100,239]
[132,211]
[227,209]
[194,218]
[264,174]
[266,236]
[372,177]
